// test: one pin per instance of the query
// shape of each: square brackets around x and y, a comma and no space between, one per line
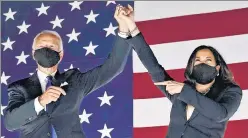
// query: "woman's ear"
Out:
[218,68]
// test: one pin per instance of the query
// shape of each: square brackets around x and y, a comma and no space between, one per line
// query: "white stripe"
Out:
[175,55]
[151,112]
[166,9]
[156,111]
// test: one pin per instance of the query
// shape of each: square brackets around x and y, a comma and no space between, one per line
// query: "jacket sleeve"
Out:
[155,70]
[219,111]
[18,112]
[113,66]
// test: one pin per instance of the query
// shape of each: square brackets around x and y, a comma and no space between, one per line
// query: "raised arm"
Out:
[18,112]
[145,54]
[114,64]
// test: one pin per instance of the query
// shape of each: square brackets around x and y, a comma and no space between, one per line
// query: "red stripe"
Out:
[199,26]
[150,132]
[235,129]
[144,87]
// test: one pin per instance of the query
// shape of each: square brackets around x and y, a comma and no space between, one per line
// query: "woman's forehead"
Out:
[204,53]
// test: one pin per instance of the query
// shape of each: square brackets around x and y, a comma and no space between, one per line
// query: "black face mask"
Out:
[46,57]
[204,74]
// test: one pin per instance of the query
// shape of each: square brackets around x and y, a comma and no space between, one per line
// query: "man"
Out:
[34,107]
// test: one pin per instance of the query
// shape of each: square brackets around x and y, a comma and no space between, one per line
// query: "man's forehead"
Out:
[51,37]
[48,38]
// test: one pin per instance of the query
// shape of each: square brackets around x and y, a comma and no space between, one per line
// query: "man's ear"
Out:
[61,55]
[33,54]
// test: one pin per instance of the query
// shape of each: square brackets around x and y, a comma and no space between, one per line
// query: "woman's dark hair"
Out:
[225,75]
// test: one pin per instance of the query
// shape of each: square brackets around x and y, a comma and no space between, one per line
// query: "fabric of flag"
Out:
[88,30]
[173,29]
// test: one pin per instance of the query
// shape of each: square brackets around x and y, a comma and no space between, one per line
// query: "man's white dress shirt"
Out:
[43,82]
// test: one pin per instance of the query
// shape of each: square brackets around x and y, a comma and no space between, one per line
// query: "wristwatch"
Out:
[123,34]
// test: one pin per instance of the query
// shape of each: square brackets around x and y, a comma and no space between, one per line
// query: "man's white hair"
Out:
[49,32]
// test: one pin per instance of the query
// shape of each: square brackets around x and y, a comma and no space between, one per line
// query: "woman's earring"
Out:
[218,74]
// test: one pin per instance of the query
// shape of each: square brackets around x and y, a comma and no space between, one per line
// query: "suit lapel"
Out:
[34,86]
[194,114]
[58,79]
[212,94]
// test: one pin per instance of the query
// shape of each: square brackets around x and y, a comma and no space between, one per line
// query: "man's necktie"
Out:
[49,83]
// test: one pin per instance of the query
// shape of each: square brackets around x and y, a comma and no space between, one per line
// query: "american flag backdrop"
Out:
[173,29]
[88,30]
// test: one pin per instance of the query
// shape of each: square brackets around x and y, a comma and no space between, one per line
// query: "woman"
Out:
[203,104]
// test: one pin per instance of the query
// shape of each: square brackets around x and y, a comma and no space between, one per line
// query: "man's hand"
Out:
[119,13]
[172,87]
[51,94]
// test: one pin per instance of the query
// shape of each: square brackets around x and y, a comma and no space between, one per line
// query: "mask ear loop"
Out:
[33,50]
[218,71]
[59,53]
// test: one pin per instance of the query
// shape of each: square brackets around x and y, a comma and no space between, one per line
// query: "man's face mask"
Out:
[203,73]
[46,57]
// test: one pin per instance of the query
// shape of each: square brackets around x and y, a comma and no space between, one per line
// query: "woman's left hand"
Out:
[172,87]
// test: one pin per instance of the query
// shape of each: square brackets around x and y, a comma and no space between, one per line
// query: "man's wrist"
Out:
[38,107]
[40,101]
[123,34]
[131,24]
[123,28]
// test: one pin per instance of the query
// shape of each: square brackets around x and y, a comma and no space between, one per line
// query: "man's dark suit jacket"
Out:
[20,113]
[212,111]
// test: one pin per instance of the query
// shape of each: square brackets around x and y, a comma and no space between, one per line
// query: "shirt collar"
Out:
[42,76]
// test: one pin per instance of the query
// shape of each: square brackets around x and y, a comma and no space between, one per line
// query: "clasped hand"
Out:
[125,18]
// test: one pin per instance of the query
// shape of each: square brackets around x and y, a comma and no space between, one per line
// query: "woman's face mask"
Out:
[204,74]
[46,57]
[205,69]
